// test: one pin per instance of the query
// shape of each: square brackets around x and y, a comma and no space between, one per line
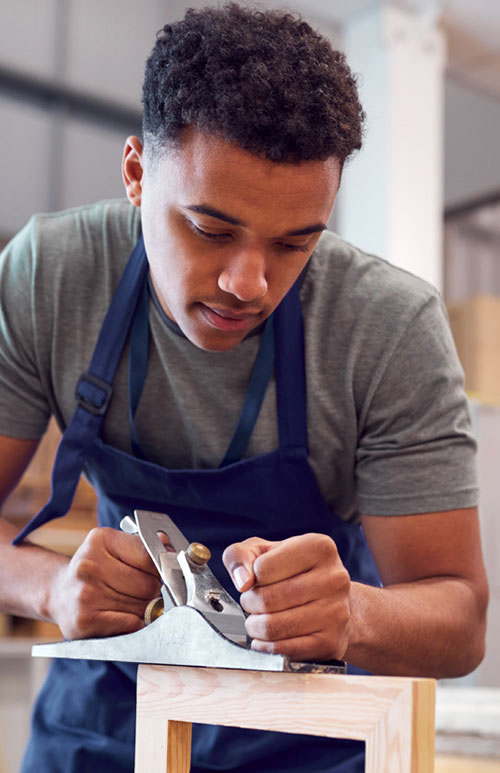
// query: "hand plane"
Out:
[195,622]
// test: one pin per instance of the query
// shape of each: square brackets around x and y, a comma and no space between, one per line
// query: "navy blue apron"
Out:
[84,718]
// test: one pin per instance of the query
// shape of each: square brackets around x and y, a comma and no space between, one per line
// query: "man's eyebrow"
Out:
[309,229]
[203,209]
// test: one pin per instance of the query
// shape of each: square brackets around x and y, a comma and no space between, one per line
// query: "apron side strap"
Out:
[93,393]
[68,465]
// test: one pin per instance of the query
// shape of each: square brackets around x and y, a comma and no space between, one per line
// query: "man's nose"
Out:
[244,276]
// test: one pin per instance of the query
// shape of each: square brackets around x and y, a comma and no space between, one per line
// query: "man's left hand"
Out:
[296,593]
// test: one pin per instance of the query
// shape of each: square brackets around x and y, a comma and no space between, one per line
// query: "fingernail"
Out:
[240,576]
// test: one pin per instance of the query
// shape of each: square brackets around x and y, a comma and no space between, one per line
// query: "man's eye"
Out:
[294,247]
[206,234]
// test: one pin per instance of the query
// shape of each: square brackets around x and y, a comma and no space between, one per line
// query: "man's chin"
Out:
[205,335]
[212,340]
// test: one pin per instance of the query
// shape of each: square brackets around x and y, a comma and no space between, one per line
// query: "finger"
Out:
[316,584]
[315,631]
[165,540]
[127,548]
[239,559]
[109,576]
[106,623]
[133,583]
[300,621]
[124,606]
[293,556]
[315,647]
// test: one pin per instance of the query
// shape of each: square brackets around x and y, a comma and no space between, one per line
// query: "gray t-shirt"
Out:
[388,423]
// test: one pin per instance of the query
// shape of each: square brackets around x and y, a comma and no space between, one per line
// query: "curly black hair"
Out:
[264,80]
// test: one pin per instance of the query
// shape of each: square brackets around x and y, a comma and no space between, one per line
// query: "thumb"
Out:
[239,559]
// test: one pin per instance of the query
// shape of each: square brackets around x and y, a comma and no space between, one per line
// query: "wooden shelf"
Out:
[15,647]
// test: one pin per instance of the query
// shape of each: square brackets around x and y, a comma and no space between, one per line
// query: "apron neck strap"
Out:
[261,375]
[286,338]
[138,363]
[119,316]
[282,345]
[291,395]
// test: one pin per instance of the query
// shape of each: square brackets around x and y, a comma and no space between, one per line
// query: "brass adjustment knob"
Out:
[198,554]
[153,610]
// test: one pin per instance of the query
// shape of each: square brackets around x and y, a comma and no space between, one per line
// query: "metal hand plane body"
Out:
[185,575]
[194,623]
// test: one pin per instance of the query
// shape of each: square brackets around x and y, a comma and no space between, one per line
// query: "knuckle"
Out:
[84,596]
[248,602]
[271,628]
[154,587]
[257,600]
[94,536]
[258,627]
[341,579]
[250,627]
[237,551]
[337,582]
[96,540]
[341,618]
[84,570]
[264,646]
[84,619]
[321,644]
[345,580]
[325,546]
[232,553]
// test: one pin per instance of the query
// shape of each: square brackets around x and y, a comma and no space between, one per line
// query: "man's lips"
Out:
[228,319]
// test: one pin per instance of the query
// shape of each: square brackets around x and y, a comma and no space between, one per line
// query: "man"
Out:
[248,120]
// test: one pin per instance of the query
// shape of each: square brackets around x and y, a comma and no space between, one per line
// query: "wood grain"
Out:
[151,738]
[394,716]
[179,746]
[424,735]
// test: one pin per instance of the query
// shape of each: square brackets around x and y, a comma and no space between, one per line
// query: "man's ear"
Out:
[133,170]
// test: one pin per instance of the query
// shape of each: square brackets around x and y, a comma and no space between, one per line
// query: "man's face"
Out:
[227,233]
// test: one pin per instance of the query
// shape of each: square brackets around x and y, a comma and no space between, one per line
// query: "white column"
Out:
[391,199]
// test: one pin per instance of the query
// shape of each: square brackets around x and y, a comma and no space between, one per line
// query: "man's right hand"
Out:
[104,589]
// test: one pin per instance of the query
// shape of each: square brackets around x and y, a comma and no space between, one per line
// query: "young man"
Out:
[267,385]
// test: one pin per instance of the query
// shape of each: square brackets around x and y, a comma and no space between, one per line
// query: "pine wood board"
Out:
[394,716]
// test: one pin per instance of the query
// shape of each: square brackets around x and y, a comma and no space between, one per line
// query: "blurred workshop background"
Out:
[424,193]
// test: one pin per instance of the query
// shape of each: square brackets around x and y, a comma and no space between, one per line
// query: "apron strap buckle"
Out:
[93,394]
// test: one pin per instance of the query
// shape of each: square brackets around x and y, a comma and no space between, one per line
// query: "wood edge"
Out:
[423,725]
[150,754]
[152,677]
[376,742]
[179,746]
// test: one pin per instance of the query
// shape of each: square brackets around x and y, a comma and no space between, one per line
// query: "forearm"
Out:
[433,627]
[27,574]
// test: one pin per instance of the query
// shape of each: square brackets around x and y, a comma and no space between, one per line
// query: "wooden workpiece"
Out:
[393,715]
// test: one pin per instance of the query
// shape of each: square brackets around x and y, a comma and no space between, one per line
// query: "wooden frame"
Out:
[394,716]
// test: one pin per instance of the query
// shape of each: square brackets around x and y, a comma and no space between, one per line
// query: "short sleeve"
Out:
[416,452]
[24,409]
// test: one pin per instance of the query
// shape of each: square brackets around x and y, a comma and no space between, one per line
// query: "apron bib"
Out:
[84,718]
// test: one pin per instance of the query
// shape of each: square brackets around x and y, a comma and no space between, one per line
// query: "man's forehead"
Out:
[205,170]
[197,147]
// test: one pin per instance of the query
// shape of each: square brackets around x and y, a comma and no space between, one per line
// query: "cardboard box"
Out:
[475,324]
